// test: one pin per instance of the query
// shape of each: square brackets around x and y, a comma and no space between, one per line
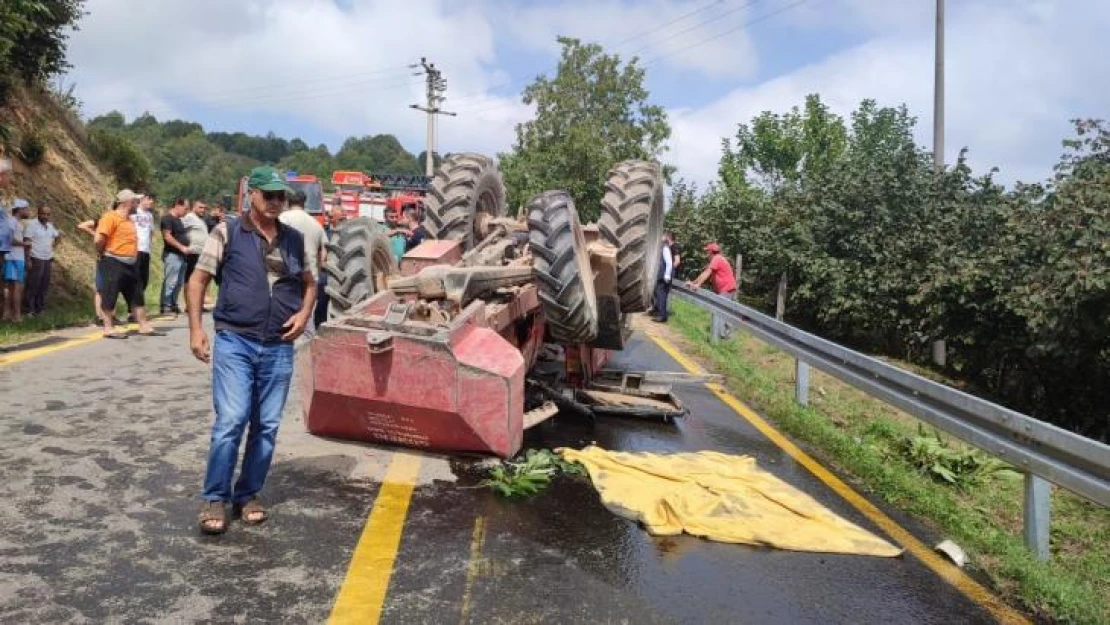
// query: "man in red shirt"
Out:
[724,281]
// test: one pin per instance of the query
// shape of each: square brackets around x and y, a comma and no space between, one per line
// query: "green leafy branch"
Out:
[531,474]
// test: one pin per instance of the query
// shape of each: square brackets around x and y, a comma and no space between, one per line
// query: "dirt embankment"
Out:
[66,179]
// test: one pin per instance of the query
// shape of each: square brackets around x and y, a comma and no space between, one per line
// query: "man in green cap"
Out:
[267,292]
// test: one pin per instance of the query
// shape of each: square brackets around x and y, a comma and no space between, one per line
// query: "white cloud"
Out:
[1017,70]
[1015,74]
[342,71]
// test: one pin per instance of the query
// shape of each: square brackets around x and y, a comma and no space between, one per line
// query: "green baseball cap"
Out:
[267,179]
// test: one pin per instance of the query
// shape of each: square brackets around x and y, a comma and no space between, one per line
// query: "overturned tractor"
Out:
[493,324]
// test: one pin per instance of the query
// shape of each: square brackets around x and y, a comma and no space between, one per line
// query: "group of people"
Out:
[26,254]
[123,237]
[718,272]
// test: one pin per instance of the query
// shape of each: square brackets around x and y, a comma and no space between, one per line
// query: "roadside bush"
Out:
[32,147]
[121,158]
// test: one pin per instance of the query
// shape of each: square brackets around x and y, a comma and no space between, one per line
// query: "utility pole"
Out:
[940,346]
[435,87]
[938,91]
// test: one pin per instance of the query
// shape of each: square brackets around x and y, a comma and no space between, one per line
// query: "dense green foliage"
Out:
[177,158]
[593,114]
[33,36]
[884,253]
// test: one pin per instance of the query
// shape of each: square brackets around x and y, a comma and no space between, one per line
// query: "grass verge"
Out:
[866,439]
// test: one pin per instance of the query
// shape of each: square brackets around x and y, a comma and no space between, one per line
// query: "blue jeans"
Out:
[173,280]
[250,382]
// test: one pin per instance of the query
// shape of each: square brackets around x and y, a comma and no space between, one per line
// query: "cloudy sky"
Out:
[322,70]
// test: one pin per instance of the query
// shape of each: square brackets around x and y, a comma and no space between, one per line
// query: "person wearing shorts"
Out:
[15,265]
[117,244]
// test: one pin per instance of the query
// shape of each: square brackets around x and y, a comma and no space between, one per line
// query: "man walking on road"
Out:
[42,235]
[174,248]
[265,302]
[660,309]
[118,247]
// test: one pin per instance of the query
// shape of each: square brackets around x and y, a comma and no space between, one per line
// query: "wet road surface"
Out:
[102,449]
[562,557]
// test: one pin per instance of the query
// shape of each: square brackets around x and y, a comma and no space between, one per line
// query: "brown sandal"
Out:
[252,508]
[212,511]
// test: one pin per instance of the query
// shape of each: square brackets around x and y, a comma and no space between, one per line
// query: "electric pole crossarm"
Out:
[435,87]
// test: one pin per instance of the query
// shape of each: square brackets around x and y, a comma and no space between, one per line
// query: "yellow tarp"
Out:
[720,497]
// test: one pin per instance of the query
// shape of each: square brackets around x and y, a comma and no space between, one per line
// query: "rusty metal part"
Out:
[460,285]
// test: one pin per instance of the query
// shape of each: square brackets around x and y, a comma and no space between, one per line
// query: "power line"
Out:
[670,23]
[762,18]
[655,61]
[698,25]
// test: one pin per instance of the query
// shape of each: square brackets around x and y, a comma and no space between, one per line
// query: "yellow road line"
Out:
[943,568]
[362,595]
[473,566]
[35,352]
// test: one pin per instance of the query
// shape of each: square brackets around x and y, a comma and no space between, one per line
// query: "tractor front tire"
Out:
[465,188]
[632,221]
[360,260]
[562,266]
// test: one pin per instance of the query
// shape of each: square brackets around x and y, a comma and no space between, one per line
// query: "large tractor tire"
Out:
[360,260]
[632,221]
[466,190]
[562,266]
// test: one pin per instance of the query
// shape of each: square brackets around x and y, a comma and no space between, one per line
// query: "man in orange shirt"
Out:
[117,243]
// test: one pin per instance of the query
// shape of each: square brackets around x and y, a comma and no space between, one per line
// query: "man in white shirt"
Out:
[315,238]
[659,310]
[313,233]
[143,218]
[196,233]
[42,234]
[15,266]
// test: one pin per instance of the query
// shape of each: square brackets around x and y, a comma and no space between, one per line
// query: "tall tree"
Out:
[591,115]
[33,35]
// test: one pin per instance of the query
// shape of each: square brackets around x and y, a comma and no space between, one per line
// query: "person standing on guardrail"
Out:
[659,308]
[724,280]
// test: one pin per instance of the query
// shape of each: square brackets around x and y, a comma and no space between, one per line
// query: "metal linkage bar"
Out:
[1079,464]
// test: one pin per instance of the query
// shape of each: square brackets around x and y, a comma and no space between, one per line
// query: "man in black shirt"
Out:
[175,247]
[415,232]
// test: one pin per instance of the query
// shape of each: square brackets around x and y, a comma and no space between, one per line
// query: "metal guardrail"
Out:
[1041,450]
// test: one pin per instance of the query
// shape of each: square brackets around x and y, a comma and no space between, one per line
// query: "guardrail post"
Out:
[801,382]
[1038,512]
[716,328]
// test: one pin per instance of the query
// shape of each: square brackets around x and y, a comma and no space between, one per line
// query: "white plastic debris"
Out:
[954,552]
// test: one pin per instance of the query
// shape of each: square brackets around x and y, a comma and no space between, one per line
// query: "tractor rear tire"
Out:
[632,221]
[360,259]
[465,188]
[562,266]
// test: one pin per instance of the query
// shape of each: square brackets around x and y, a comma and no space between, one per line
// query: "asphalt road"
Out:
[102,450]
